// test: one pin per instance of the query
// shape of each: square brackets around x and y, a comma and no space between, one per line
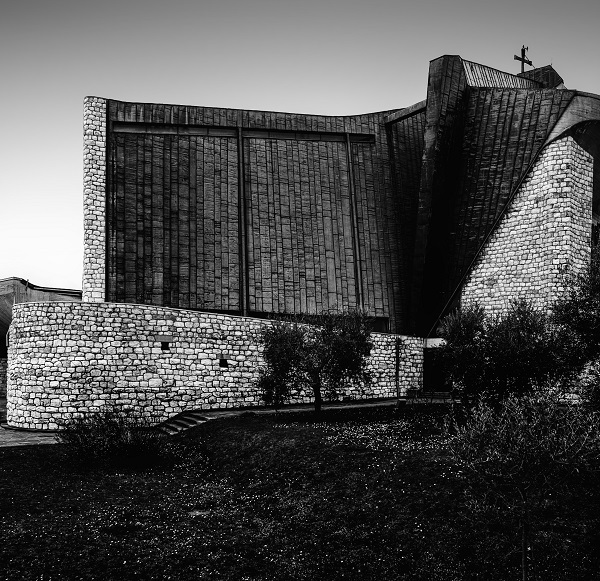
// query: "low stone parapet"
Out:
[68,358]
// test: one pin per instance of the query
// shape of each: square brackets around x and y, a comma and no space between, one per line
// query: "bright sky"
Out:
[331,57]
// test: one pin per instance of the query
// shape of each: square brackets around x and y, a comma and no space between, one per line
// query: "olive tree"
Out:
[322,354]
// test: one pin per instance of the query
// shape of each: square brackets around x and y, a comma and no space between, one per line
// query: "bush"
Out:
[587,385]
[525,451]
[577,315]
[462,355]
[323,353]
[578,311]
[510,354]
[119,438]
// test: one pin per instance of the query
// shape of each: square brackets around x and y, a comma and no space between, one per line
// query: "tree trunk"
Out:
[524,537]
[524,550]
[318,398]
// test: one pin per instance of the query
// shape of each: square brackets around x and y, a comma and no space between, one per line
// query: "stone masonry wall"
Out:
[3,371]
[94,191]
[67,358]
[546,232]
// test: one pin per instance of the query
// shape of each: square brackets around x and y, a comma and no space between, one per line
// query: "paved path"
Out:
[10,437]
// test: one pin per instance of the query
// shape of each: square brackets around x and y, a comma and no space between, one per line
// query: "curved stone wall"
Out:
[66,358]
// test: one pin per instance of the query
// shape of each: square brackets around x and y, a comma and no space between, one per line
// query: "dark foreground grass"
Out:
[363,495]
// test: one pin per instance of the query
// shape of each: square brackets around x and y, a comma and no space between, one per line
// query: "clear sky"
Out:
[337,57]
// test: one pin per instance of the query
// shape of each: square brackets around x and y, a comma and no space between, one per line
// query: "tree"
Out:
[324,354]
[577,315]
[524,350]
[519,452]
[284,352]
[509,354]
[464,351]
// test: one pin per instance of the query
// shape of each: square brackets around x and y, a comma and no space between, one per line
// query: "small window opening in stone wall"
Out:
[223,362]
[165,342]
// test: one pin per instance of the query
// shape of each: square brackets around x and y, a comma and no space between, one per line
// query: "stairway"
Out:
[181,422]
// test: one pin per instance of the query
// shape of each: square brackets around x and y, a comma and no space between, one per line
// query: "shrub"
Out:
[524,351]
[119,438]
[462,355]
[323,353]
[496,357]
[578,311]
[577,315]
[524,451]
[587,385]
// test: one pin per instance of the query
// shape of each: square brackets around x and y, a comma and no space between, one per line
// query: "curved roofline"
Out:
[383,112]
[583,107]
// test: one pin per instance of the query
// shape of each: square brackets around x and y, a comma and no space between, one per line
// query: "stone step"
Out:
[181,422]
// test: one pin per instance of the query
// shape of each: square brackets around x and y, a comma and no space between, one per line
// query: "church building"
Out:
[202,223]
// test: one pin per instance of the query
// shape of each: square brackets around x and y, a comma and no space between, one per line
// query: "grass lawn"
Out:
[358,494]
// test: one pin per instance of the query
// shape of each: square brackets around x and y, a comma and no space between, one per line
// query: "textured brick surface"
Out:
[74,357]
[94,192]
[250,211]
[545,233]
[300,228]
[406,137]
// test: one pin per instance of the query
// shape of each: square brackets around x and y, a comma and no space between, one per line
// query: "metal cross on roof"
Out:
[523,59]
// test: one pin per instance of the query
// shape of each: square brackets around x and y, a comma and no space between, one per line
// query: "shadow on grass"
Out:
[367,494]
